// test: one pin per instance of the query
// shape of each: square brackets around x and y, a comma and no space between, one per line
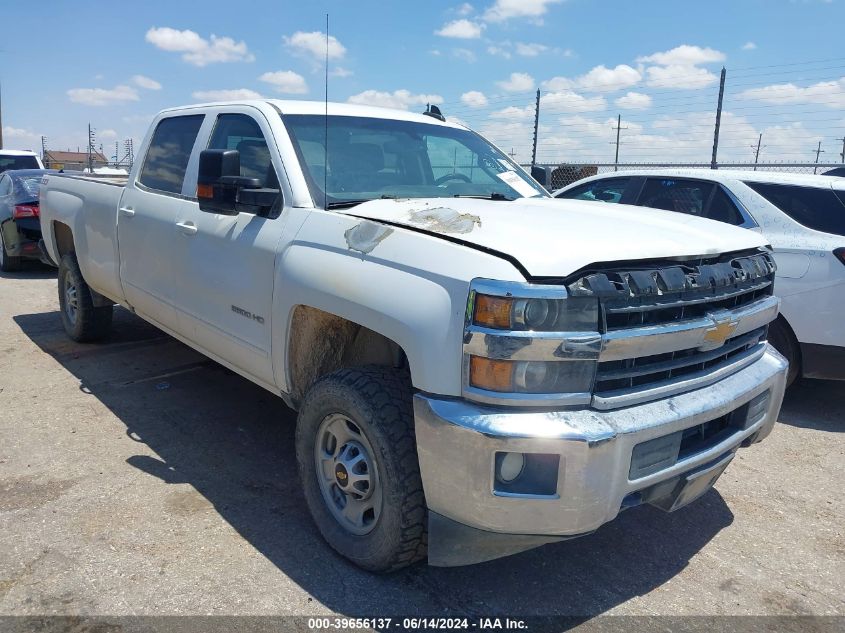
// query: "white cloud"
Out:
[500,51]
[236,94]
[518,82]
[530,49]
[569,101]
[399,99]
[599,79]
[826,93]
[285,81]
[106,135]
[461,29]
[313,45]
[10,133]
[680,77]
[474,99]
[464,9]
[197,50]
[749,46]
[503,10]
[103,96]
[464,54]
[514,113]
[340,72]
[684,55]
[634,101]
[146,82]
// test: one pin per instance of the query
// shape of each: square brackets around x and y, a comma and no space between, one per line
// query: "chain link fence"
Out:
[561,175]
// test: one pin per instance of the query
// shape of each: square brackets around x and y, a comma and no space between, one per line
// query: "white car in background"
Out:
[802,216]
[19,159]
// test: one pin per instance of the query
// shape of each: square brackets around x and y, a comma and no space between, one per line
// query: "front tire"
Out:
[784,341]
[357,456]
[83,322]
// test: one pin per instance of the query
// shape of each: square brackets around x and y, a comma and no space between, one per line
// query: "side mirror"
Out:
[222,189]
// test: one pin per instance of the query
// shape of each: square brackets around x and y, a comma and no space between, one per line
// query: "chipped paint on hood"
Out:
[554,237]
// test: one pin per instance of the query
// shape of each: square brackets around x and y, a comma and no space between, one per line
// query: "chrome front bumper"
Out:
[457,442]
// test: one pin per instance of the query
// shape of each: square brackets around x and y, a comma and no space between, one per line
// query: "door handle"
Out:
[127,211]
[188,228]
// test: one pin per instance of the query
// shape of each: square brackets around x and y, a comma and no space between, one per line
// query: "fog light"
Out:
[509,466]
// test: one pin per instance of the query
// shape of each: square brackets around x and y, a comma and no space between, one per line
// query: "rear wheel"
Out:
[83,322]
[783,340]
[357,457]
[8,263]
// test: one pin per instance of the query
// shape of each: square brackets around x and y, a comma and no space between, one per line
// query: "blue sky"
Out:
[655,62]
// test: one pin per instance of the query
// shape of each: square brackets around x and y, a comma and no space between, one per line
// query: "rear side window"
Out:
[723,209]
[18,162]
[169,152]
[816,208]
[609,190]
[672,194]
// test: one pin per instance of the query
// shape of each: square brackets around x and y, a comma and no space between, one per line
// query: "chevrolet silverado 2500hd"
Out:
[477,368]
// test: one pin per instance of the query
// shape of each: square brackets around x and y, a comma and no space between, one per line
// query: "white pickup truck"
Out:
[478,368]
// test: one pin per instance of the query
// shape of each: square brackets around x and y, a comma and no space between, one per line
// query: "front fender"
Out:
[407,286]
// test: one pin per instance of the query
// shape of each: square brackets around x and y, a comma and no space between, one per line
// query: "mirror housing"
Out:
[222,189]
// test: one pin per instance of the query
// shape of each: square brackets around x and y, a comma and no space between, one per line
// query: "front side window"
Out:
[170,149]
[609,190]
[672,194]
[370,158]
[820,209]
[241,132]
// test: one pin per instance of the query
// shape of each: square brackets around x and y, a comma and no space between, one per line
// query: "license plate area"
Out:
[682,490]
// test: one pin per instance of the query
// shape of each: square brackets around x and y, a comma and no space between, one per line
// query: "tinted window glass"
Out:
[5,186]
[18,162]
[241,132]
[610,190]
[723,209]
[167,158]
[671,194]
[814,207]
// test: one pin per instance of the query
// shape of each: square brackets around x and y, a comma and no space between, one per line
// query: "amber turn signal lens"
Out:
[493,312]
[492,375]
[205,191]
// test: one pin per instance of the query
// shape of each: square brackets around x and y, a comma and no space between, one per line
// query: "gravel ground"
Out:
[138,477]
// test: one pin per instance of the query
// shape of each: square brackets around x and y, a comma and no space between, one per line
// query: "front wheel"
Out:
[357,457]
[83,321]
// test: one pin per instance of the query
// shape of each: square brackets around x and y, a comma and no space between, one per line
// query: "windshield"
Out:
[372,158]
[18,162]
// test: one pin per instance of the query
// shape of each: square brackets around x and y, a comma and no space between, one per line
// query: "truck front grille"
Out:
[677,322]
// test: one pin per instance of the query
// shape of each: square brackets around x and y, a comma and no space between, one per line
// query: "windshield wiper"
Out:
[494,195]
[346,204]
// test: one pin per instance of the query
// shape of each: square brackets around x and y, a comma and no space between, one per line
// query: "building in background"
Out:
[72,161]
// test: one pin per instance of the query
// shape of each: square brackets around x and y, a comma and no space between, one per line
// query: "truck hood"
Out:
[554,238]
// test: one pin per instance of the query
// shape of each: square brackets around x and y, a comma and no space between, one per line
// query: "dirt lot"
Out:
[138,477]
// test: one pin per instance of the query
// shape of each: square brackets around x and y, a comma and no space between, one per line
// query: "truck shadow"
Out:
[233,442]
[815,404]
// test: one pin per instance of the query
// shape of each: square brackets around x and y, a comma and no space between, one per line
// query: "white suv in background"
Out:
[19,159]
[803,218]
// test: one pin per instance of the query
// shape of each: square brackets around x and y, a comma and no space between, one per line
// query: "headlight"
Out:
[530,344]
[536,314]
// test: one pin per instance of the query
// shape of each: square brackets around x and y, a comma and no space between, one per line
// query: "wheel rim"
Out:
[348,474]
[71,300]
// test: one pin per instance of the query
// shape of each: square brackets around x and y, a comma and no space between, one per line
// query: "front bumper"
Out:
[457,443]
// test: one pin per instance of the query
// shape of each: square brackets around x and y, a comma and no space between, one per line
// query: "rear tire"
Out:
[356,428]
[8,263]
[783,340]
[83,322]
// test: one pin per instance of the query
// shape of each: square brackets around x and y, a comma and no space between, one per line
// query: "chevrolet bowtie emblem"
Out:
[723,328]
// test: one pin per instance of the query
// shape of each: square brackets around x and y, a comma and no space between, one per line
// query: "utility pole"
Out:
[819,150]
[842,153]
[90,149]
[757,152]
[1,117]
[536,125]
[617,128]
[713,164]
[44,151]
